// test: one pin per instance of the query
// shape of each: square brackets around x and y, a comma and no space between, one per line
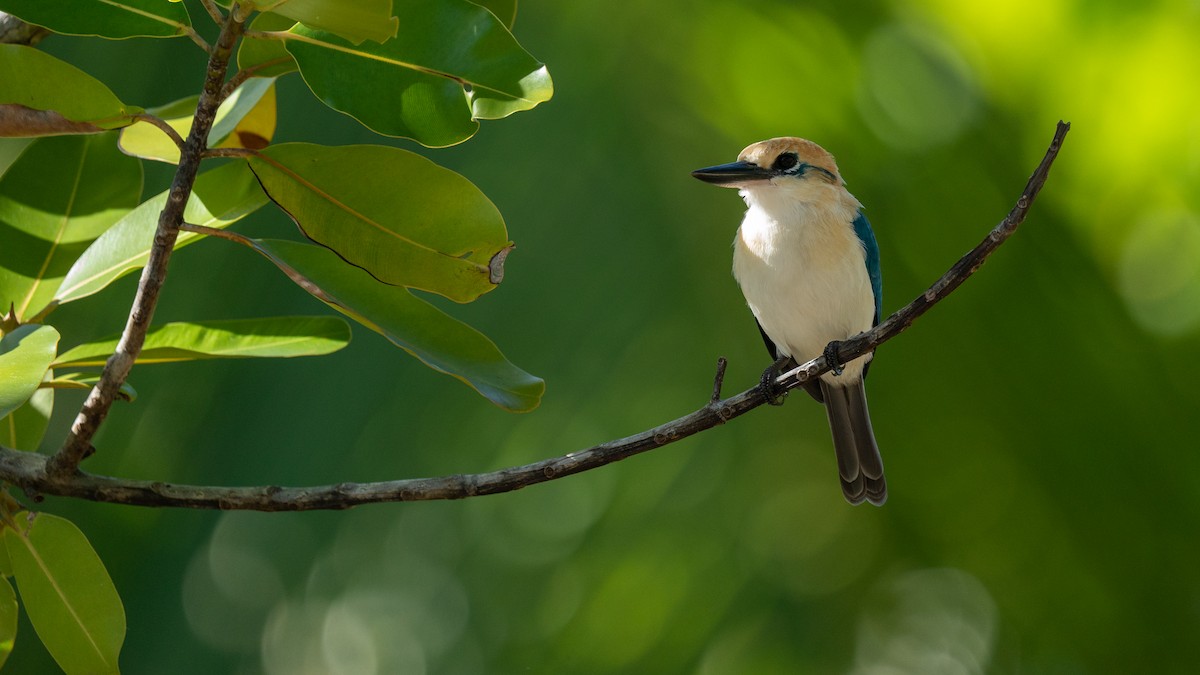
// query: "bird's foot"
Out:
[831,357]
[775,394]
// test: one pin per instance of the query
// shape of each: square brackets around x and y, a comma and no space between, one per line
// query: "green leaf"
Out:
[244,120]
[25,355]
[84,381]
[267,58]
[404,219]
[453,63]
[276,337]
[114,19]
[67,593]
[5,562]
[220,197]
[505,10]
[354,21]
[440,341]
[41,96]
[60,195]
[10,150]
[24,427]
[8,620]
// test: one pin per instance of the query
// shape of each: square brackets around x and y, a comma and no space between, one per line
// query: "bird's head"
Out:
[791,167]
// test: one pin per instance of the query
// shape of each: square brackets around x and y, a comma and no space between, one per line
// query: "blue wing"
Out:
[862,228]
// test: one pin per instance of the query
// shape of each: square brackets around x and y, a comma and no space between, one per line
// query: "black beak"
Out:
[734,174]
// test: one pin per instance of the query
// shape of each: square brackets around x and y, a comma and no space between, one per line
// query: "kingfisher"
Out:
[807,263]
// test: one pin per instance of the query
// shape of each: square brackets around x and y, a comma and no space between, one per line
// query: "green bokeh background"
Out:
[1038,427]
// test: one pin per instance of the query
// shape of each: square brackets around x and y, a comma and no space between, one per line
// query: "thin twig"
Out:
[195,37]
[95,408]
[718,380]
[32,472]
[227,152]
[234,82]
[161,124]
[213,11]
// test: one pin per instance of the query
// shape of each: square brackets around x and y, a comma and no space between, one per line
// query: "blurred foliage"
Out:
[1044,505]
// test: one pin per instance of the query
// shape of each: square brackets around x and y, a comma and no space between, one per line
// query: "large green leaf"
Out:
[244,120]
[60,195]
[23,428]
[114,19]
[404,219]
[264,57]
[41,96]
[453,63]
[67,593]
[275,337]
[354,21]
[440,341]
[25,355]
[8,619]
[219,198]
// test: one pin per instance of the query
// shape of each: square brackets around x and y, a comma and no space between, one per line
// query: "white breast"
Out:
[804,275]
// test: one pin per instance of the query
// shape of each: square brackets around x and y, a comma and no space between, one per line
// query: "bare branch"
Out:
[99,401]
[37,477]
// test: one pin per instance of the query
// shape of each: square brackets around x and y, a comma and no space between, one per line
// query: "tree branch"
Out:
[79,442]
[35,475]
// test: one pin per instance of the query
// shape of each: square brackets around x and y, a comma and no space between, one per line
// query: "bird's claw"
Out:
[831,357]
[775,394]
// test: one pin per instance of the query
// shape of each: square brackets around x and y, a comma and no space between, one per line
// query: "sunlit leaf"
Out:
[274,337]
[354,21]
[266,58]
[42,96]
[220,197]
[114,19]
[83,381]
[440,341]
[453,63]
[505,10]
[25,354]
[244,120]
[60,195]
[67,593]
[8,619]
[23,428]
[404,219]
[10,150]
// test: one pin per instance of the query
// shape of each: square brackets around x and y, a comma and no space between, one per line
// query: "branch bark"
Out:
[36,475]
[79,442]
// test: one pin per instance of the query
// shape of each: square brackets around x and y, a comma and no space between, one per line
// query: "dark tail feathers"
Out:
[859,463]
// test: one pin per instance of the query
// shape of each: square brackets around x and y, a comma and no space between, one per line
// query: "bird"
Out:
[808,265]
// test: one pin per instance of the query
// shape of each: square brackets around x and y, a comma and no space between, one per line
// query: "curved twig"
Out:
[163,126]
[31,471]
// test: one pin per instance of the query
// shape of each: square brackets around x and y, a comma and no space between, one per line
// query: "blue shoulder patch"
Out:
[862,228]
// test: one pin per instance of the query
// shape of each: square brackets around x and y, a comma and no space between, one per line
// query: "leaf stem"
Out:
[161,124]
[213,11]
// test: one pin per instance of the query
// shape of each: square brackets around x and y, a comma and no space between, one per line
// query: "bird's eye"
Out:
[785,161]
